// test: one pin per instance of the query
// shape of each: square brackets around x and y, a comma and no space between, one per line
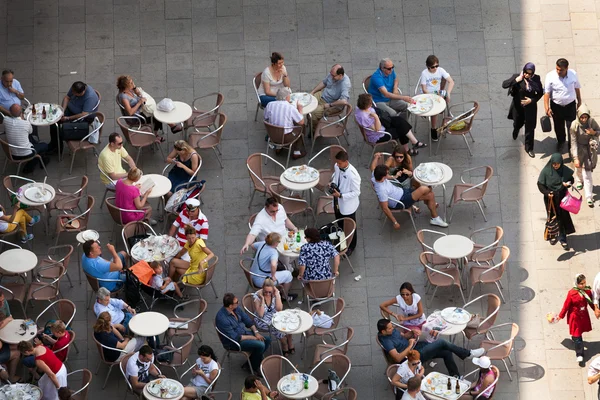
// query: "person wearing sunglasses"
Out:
[190,215]
[409,368]
[110,161]
[526,90]
[383,86]
[401,168]
[185,162]
[435,79]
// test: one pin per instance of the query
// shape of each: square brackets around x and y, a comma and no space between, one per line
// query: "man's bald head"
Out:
[16,110]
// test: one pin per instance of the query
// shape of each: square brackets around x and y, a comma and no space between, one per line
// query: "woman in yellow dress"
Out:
[199,255]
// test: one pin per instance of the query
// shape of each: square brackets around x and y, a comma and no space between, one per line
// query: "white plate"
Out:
[423,105]
[456,316]
[286,321]
[172,390]
[291,387]
[38,194]
[90,234]
[303,98]
[301,174]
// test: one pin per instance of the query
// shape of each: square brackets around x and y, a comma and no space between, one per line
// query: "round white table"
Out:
[33,203]
[12,333]
[291,253]
[298,186]
[181,113]
[445,179]
[439,105]
[306,322]
[313,386]
[454,247]
[149,324]
[32,392]
[149,396]
[153,252]
[37,120]
[18,261]
[310,107]
[162,185]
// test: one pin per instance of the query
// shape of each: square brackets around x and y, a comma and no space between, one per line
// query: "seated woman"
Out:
[314,260]
[132,101]
[398,128]
[21,218]
[8,356]
[199,256]
[55,372]
[273,77]
[401,170]
[267,301]
[186,161]
[203,374]
[108,335]
[265,263]
[409,368]
[483,387]
[410,308]
[255,390]
[128,197]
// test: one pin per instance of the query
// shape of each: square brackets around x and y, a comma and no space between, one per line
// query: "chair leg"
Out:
[287,163]
[107,375]
[451,214]
[4,168]
[481,209]
[440,137]
[212,285]
[56,241]
[461,293]
[349,263]
[507,370]
[432,295]
[412,219]
[250,203]
[76,348]
[256,113]
[18,168]
[467,143]
[312,147]
[500,291]
[470,293]
[44,166]
[137,158]
[72,161]
[218,158]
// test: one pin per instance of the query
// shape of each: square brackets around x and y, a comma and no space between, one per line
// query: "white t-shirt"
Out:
[3,224]
[404,372]
[264,224]
[407,396]
[594,367]
[135,367]
[268,77]
[432,81]
[413,309]
[207,369]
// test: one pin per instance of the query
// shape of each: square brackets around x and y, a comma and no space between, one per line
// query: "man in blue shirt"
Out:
[383,86]
[80,101]
[332,92]
[11,91]
[235,324]
[93,264]
[398,345]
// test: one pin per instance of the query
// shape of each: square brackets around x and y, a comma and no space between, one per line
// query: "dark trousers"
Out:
[40,147]
[444,350]
[526,116]
[578,341]
[352,216]
[562,116]
[256,348]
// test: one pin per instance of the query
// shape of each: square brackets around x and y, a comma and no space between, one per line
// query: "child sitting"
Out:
[163,284]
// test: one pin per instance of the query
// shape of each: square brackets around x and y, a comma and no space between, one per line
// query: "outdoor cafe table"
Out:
[181,113]
[51,119]
[28,392]
[439,105]
[300,178]
[29,197]
[150,396]
[293,251]
[306,322]
[449,326]
[435,387]
[149,324]
[12,333]
[446,177]
[313,386]
[18,261]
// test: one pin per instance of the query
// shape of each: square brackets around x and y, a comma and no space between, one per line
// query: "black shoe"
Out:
[434,135]
[559,146]
[292,296]
[349,252]
[531,154]
[515,134]
[553,241]
[564,244]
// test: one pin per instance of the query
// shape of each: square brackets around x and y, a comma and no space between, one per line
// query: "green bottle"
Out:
[298,240]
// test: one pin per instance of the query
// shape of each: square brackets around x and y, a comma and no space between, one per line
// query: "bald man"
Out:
[333,91]
[19,132]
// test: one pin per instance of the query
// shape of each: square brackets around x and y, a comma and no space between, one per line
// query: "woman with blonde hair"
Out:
[128,197]
[130,97]
[267,301]
[266,262]
[186,161]
[409,368]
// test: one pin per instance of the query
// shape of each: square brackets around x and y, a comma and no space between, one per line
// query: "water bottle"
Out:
[298,240]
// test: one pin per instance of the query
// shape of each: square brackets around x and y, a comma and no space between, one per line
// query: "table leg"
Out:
[304,349]
[444,199]
[429,134]
[46,219]
[79,261]
[58,142]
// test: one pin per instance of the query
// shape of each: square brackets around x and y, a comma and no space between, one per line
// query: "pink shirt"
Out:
[365,120]
[124,198]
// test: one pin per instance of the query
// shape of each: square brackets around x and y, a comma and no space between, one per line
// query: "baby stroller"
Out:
[138,286]
[183,192]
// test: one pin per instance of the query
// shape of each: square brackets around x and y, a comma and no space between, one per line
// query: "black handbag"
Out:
[331,233]
[546,124]
[552,229]
[75,129]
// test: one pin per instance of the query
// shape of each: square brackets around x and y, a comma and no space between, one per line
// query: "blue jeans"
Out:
[444,350]
[256,348]
[126,320]
[264,100]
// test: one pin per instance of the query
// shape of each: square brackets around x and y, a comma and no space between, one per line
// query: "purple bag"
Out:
[571,203]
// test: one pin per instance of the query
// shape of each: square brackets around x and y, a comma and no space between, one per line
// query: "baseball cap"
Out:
[483,362]
[192,203]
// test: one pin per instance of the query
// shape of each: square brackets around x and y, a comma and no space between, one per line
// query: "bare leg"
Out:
[177,267]
[189,393]
[12,364]
[411,136]
[425,194]
[177,290]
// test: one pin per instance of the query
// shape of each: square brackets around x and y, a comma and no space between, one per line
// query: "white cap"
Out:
[193,202]
[483,362]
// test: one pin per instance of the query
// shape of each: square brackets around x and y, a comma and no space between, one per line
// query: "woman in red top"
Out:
[578,300]
[55,373]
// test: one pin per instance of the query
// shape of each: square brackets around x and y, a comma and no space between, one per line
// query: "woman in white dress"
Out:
[409,308]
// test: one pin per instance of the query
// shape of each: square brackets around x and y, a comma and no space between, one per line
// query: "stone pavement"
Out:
[187,48]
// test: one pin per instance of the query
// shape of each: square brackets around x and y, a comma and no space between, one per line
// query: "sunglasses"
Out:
[389,69]
[401,157]
[415,363]
[269,292]
[236,302]
[178,149]
[433,66]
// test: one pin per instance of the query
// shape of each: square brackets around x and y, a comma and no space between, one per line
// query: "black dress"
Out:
[523,115]
[565,223]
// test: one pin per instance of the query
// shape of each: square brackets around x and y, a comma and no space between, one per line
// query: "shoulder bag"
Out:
[280,266]
[571,203]
[552,230]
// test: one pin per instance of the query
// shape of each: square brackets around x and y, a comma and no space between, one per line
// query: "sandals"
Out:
[416,209]
[590,203]
[178,128]
[413,152]
[419,145]
[292,350]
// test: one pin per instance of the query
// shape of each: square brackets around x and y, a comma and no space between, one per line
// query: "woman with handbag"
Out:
[575,308]
[553,182]
[375,122]
[584,148]
[526,90]
[266,263]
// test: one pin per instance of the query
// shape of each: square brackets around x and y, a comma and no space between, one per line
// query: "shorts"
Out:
[406,199]
[200,390]
[281,276]
[4,353]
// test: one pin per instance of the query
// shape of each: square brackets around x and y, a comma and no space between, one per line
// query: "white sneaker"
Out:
[438,221]
[477,352]
[579,359]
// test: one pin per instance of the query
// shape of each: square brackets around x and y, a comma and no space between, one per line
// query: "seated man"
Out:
[119,318]
[141,369]
[110,160]
[399,344]
[93,264]
[80,101]
[332,92]
[282,113]
[272,218]
[389,195]
[383,86]
[431,82]
[236,324]
[189,215]
[19,132]
[413,389]
[11,91]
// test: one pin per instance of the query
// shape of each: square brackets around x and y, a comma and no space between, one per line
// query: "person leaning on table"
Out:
[141,368]
[272,218]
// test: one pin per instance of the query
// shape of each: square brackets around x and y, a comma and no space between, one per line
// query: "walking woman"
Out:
[578,300]
[553,182]
[584,148]
[526,89]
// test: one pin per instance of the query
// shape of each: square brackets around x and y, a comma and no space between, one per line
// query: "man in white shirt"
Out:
[140,368]
[345,189]
[413,390]
[431,82]
[114,307]
[19,132]
[390,196]
[282,113]
[110,160]
[272,218]
[562,98]
[594,373]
